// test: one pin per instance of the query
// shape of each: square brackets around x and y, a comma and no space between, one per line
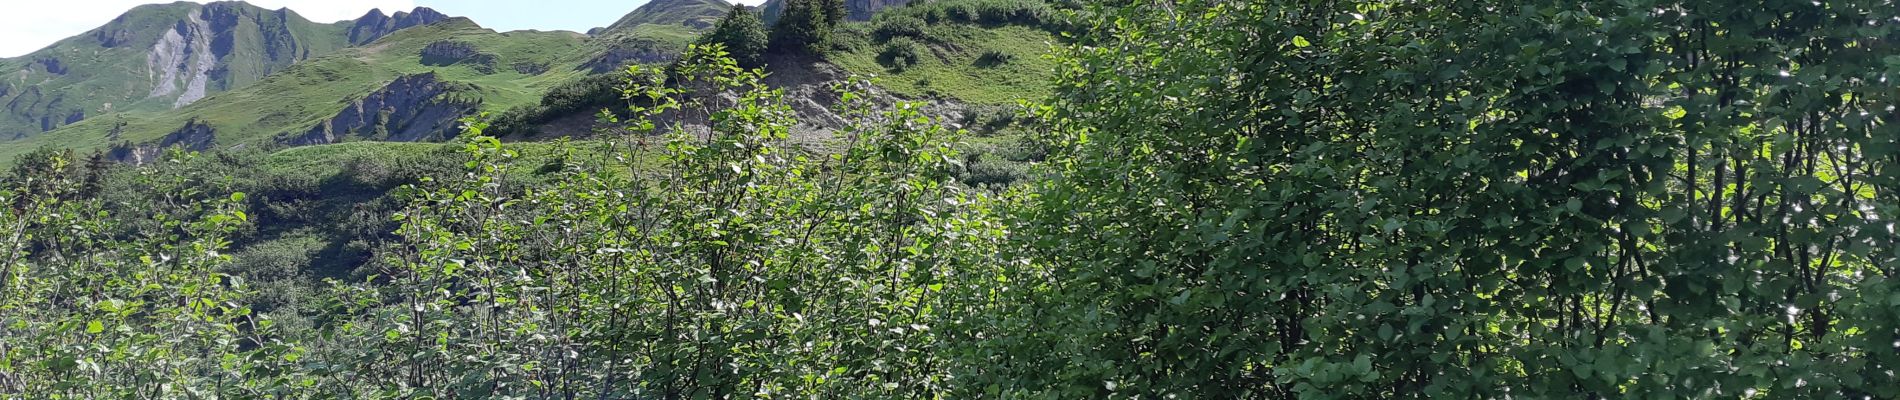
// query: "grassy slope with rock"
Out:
[304,95]
[155,58]
[981,66]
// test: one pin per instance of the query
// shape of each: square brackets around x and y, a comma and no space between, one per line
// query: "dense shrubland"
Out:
[1458,199]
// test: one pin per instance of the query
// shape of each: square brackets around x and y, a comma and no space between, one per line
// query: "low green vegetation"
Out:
[1449,199]
[972,64]
[806,26]
[298,98]
[742,34]
[110,69]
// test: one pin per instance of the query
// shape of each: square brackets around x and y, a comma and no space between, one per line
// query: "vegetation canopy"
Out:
[1254,199]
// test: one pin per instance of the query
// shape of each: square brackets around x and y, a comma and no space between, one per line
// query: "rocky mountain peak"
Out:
[375,25]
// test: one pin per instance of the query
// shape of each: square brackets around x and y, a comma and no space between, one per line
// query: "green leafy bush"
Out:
[743,36]
[805,26]
[898,25]
[994,58]
[1684,199]
[988,12]
[901,53]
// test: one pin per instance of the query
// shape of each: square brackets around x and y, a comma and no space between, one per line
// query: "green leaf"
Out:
[1675,113]
[95,326]
[1300,42]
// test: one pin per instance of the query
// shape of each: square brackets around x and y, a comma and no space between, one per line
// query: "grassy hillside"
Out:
[969,63]
[696,14]
[154,58]
[310,92]
[984,58]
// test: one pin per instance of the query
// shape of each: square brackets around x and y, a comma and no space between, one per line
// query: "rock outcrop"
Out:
[182,61]
[412,108]
[619,56]
[449,52]
[195,136]
[375,25]
[52,65]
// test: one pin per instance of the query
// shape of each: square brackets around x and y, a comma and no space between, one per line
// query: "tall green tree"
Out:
[806,25]
[1469,199]
[743,36]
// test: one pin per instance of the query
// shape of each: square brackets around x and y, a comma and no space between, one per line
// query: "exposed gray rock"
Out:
[631,51]
[181,61]
[375,25]
[194,136]
[447,52]
[52,65]
[523,67]
[111,37]
[412,108]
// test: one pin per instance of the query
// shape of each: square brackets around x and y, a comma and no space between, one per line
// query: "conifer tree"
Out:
[743,35]
[806,25]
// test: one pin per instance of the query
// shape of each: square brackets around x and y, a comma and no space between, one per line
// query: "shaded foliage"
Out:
[743,36]
[1455,199]
[805,26]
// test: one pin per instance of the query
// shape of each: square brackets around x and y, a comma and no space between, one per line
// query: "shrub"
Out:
[743,36]
[900,53]
[994,58]
[806,26]
[898,25]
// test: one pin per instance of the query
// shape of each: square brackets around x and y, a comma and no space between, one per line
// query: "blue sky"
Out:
[26,26]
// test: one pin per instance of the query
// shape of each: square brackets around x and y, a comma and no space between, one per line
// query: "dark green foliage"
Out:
[1036,13]
[901,53]
[993,58]
[1248,200]
[743,36]
[1469,199]
[898,25]
[590,93]
[805,26]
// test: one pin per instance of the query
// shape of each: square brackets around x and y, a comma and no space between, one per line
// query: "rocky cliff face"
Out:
[631,52]
[194,136]
[182,61]
[412,108]
[375,25]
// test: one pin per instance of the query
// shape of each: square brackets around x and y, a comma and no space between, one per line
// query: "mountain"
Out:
[414,84]
[654,32]
[375,25]
[410,85]
[695,14]
[165,56]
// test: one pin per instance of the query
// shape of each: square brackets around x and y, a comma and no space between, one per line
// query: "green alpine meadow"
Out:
[954,199]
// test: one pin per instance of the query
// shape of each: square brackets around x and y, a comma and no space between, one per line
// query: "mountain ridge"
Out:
[157,57]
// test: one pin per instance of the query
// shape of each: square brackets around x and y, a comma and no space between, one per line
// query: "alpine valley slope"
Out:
[415,83]
[411,85]
[160,57]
